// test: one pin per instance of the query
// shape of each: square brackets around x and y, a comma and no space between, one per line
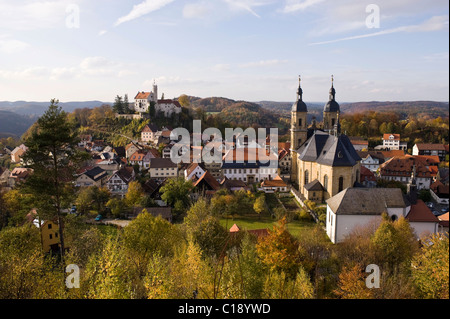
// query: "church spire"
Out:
[332,90]
[337,127]
[299,91]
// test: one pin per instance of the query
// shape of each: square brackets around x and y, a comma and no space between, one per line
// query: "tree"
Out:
[118,106]
[135,194]
[184,100]
[279,250]
[175,192]
[147,235]
[280,286]
[394,243]
[430,267]
[352,284]
[258,206]
[54,158]
[117,207]
[126,105]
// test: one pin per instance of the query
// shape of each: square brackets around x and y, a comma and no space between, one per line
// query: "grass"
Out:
[252,222]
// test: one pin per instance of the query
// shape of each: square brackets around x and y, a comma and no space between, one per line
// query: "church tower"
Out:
[331,110]
[299,128]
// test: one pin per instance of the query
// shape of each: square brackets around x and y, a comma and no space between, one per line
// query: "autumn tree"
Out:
[430,267]
[279,249]
[135,194]
[352,284]
[259,205]
[184,100]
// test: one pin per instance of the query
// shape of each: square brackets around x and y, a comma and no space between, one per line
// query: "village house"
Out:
[4,175]
[118,182]
[274,185]
[17,175]
[440,192]
[367,177]
[149,133]
[430,149]
[359,144]
[17,153]
[162,168]
[233,185]
[371,159]
[49,231]
[392,142]
[141,158]
[284,160]
[131,148]
[194,171]
[402,169]
[94,176]
[247,165]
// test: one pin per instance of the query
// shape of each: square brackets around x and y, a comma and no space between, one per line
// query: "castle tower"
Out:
[331,110]
[299,128]
[155,92]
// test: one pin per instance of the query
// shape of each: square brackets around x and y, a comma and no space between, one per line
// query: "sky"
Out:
[254,50]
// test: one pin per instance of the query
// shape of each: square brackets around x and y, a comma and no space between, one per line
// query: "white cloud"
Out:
[296,5]
[197,10]
[262,63]
[142,9]
[102,32]
[435,23]
[221,67]
[30,15]
[11,46]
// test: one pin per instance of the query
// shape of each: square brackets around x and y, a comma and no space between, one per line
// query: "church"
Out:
[324,161]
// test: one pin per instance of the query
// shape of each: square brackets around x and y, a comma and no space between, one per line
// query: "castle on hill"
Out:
[143,100]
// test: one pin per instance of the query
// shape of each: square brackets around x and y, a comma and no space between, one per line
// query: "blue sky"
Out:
[241,49]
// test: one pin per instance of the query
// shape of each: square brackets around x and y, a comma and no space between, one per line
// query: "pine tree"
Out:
[53,157]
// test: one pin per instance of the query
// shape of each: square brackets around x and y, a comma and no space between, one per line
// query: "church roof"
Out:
[331,106]
[366,201]
[328,150]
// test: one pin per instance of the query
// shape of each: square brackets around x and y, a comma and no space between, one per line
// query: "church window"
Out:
[300,122]
[333,121]
[306,177]
[341,184]
[325,182]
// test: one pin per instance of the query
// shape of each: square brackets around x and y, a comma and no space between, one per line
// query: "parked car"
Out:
[430,205]
[98,218]
[436,213]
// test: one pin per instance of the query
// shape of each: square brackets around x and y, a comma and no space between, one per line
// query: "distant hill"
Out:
[38,108]
[12,124]
[238,113]
[430,109]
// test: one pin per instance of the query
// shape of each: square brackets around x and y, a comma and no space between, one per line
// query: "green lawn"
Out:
[252,222]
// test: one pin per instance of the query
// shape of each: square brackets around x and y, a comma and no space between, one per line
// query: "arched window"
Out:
[341,184]
[300,122]
[325,182]
[306,177]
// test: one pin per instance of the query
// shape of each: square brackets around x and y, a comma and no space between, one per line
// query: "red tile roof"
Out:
[396,136]
[142,96]
[421,213]
[431,147]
